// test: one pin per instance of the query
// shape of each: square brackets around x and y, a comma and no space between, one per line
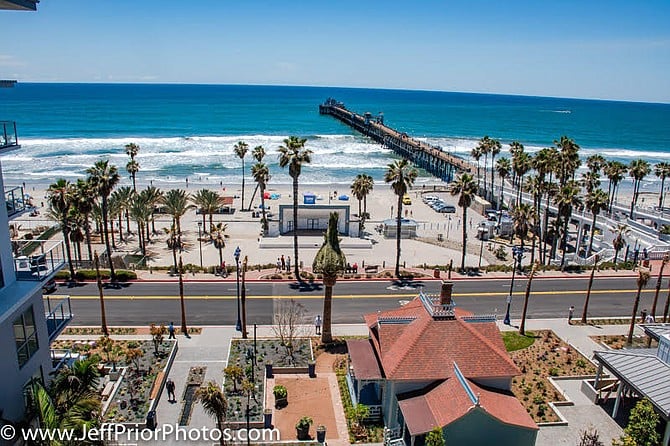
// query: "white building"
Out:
[26,327]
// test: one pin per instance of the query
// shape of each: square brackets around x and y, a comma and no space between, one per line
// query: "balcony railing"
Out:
[15,200]
[8,137]
[58,315]
[61,357]
[38,260]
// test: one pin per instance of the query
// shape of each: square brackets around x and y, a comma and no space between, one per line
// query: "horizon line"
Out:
[420,90]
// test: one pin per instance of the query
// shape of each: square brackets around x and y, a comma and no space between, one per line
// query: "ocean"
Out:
[188,131]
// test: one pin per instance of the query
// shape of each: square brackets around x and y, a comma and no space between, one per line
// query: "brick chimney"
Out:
[445,293]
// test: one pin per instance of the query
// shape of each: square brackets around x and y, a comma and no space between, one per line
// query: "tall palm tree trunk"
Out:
[140,237]
[465,238]
[112,273]
[265,221]
[593,231]
[658,287]
[221,257]
[564,242]
[397,236]
[326,332]
[68,251]
[296,265]
[242,207]
[103,314]
[127,221]
[522,326]
[251,201]
[121,227]
[360,220]
[111,225]
[133,177]
[87,231]
[588,291]
[636,304]
[660,195]
[184,329]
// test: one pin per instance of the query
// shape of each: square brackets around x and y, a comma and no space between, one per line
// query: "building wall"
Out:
[14,378]
[390,409]
[6,257]
[313,217]
[497,383]
[479,428]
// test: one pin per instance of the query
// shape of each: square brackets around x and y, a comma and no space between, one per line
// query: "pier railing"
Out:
[433,159]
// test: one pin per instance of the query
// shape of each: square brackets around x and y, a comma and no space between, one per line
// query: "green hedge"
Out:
[89,274]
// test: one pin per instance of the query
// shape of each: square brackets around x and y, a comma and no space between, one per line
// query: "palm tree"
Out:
[535,186]
[638,169]
[595,202]
[588,290]
[567,199]
[521,164]
[358,191]
[141,210]
[84,205]
[103,313]
[367,184]
[258,153]
[642,279]
[133,166]
[103,178]
[207,202]
[76,381]
[465,188]
[114,209]
[329,262]
[76,233]
[154,196]
[476,154]
[219,236]
[659,281]
[522,326]
[173,242]
[569,160]
[619,242]
[596,163]
[261,174]
[523,216]
[615,171]
[176,204]
[240,150]
[125,196]
[215,404]
[182,303]
[503,169]
[60,198]
[401,176]
[483,148]
[590,181]
[293,154]
[662,171]
[494,149]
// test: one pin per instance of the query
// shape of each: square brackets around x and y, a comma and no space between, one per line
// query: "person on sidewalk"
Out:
[283,263]
[169,385]
[571,312]
[288,264]
[317,324]
[171,331]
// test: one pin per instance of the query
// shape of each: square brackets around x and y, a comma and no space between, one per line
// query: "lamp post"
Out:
[517,253]
[243,298]
[238,326]
[253,364]
[480,231]
[200,240]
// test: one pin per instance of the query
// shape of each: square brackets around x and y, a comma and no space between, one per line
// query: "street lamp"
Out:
[517,253]
[238,326]
[200,240]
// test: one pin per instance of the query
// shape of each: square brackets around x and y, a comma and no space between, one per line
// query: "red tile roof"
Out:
[363,359]
[449,401]
[412,345]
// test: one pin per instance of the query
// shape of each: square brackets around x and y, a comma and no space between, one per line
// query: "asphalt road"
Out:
[215,303]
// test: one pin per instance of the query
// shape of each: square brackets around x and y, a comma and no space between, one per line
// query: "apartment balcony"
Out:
[38,260]
[9,139]
[19,5]
[17,201]
[61,357]
[58,314]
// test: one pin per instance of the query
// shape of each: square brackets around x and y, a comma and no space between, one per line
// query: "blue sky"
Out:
[590,49]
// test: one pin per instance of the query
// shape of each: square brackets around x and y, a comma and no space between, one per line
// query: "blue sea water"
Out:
[189,130]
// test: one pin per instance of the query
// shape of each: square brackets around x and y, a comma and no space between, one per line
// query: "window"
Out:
[25,336]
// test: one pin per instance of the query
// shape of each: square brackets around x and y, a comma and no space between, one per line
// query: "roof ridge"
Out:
[408,346]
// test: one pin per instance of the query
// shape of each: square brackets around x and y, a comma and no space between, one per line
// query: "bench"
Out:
[372,269]
[107,391]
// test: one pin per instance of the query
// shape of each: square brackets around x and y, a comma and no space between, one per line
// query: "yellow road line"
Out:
[364,296]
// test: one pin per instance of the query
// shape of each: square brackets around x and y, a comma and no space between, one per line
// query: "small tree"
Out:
[157,335]
[133,355]
[215,404]
[435,437]
[234,373]
[590,437]
[110,349]
[289,320]
[642,424]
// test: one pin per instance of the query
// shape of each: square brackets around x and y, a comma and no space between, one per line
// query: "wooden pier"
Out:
[430,158]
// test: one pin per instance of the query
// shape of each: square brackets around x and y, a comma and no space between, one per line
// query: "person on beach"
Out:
[169,385]
[571,312]
[317,324]
[171,331]
[283,263]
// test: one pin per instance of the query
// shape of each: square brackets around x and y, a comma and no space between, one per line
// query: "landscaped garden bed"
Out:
[541,355]
[142,377]
[618,342]
[244,383]
[97,331]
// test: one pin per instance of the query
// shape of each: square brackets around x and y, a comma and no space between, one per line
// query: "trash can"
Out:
[151,420]
[436,273]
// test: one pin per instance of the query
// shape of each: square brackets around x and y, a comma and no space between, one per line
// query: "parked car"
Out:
[49,286]
[437,204]
[429,198]
[447,208]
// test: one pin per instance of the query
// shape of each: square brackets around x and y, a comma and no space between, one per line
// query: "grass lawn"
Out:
[514,341]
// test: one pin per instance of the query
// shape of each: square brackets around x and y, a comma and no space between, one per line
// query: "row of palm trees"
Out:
[553,181]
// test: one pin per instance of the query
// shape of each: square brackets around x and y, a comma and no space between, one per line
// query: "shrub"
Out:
[280,391]
[89,274]
[553,371]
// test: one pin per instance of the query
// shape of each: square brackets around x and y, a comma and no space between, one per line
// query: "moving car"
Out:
[49,286]
[406,199]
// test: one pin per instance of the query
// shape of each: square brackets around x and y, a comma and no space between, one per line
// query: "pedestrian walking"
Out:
[571,312]
[288,264]
[649,319]
[278,265]
[169,385]
[283,263]
[643,315]
[317,324]
[171,330]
